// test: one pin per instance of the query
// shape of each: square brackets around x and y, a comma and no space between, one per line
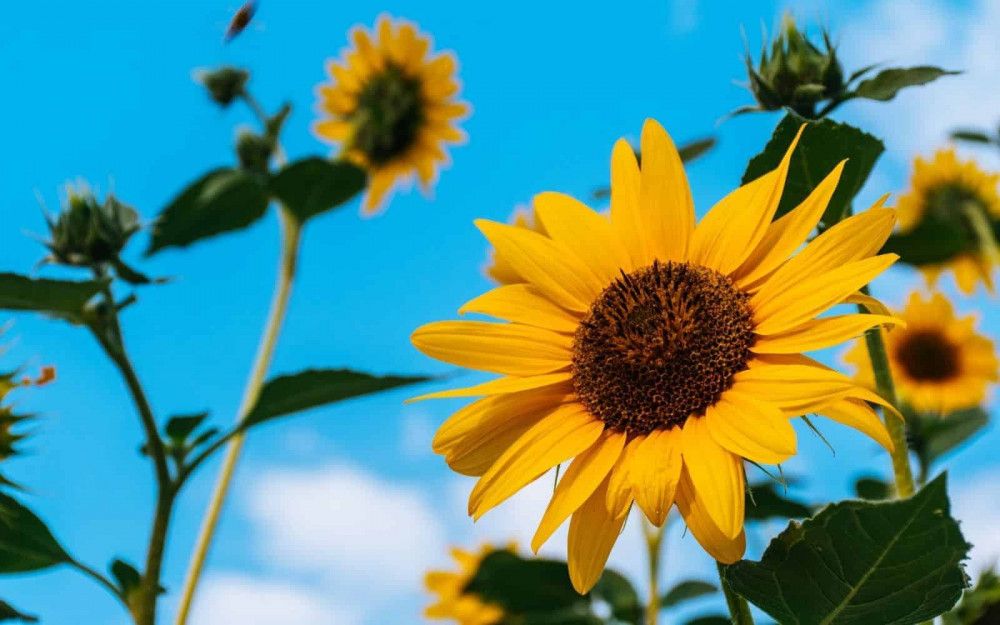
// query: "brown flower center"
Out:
[389,115]
[661,344]
[927,355]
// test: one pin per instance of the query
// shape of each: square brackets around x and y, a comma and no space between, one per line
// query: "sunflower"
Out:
[654,353]
[940,188]
[452,601]
[392,107]
[939,362]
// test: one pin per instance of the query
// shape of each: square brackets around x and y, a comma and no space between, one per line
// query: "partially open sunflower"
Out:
[939,362]
[654,353]
[392,107]
[451,600]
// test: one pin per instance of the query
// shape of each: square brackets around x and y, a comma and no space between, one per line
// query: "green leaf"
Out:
[315,185]
[695,149]
[765,502]
[973,136]
[128,577]
[858,563]
[823,144]
[686,591]
[10,613]
[60,298]
[932,436]
[521,586]
[933,241]
[715,619]
[887,83]
[620,595]
[181,426]
[316,387]
[872,488]
[25,543]
[222,200]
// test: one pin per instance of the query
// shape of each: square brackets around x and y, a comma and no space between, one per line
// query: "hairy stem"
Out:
[286,273]
[739,610]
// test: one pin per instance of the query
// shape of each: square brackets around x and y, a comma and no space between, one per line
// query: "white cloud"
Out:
[975,505]
[348,526]
[239,600]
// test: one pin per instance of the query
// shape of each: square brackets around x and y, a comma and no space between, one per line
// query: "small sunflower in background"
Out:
[947,190]
[452,602]
[939,362]
[497,268]
[392,107]
[656,354]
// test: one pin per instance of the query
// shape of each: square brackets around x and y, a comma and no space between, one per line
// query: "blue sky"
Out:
[336,512]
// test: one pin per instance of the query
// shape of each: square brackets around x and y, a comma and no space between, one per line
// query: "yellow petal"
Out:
[753,429]
[548,264]
[786,234]
[473,438]
[523,303]
[664,195]
[692,507]
[501,386]
[592,533]
[733,227]
[871,304]
[584,231]
[860,416]
[582,478]
[717,476]
[622,478]
[819,333]
[508,348]
[797,303]
[626,216]
[657,467]
[796,389]
[566,432]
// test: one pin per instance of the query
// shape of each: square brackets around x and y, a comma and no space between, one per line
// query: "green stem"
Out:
[739,610]
[654,547]
[984,236]
[97,577]
[286,274]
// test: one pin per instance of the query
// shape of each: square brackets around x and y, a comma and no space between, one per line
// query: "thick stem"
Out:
[286,274]
[739,610]
[654,547]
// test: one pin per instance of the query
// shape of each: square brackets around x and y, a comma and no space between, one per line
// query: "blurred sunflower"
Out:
[654,353]
[451,599]
[939,362]
[497,268]
[392,107]
[942,188]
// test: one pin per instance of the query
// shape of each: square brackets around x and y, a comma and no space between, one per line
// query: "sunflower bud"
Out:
[796,73]
[86,233]
[254,151]
[224,84]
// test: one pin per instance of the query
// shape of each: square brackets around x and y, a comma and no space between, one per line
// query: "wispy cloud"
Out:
[231,599]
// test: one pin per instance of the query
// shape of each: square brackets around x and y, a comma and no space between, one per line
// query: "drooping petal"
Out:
[549,265]
[692,507]
[523,303]
[794,388]
[592,533]
[819,333]
[567,431]
[664,195]
[657,468]
[626,217]
[582,478]
[717,476]
[500,386]
[751,428]
[583,230]
[736,224]
[860,416]
[508,348]
[871,304]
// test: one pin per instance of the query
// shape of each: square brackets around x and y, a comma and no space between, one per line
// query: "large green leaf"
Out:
[25,543]
[60,298]
[932,435]
[315,185]
[316,387]
[934,240]
[686,591]
[220,201]
[823,144]
[887,83]
[858,563]
[522,586]
[765,502]
[10,613]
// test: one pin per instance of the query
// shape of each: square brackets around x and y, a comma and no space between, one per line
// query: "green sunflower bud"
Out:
[224,84]
[796,73]
[254,151]
[89,234]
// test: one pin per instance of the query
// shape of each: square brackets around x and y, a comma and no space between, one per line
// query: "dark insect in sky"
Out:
[241,19]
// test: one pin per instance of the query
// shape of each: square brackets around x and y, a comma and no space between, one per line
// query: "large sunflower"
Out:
[941,188]
[452,602]
[654,353]
[939,362]
[392,107]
